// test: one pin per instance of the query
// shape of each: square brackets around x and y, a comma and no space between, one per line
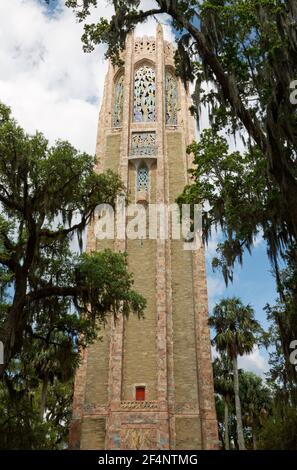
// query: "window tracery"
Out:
[144,95]
[142,178]
[171,97]
[118,102]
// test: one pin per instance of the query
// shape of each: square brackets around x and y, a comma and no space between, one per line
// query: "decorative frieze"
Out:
[145,45]
[137,405]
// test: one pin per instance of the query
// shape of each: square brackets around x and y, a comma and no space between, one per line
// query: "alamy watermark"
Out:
[293,355]
[153,221]
[293,94]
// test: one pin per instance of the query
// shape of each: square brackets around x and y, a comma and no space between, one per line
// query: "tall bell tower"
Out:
[148,383]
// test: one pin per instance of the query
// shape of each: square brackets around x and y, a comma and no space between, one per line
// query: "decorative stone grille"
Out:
[143,144]
[145,44]
[144,95]
[142,178]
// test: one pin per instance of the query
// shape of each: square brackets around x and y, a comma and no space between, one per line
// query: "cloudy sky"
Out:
[52,86]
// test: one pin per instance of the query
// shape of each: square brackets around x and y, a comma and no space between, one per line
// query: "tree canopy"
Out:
[48,194]
[246,51]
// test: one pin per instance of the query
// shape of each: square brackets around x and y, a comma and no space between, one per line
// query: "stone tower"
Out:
[148,384]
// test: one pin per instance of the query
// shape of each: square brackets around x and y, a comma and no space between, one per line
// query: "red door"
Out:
[140,393]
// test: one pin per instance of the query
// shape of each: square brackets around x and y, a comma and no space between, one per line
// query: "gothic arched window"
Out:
[118,102]
[170,98]
[144,95]
[142,178]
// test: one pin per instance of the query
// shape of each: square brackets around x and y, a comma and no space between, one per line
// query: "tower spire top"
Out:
[159,29]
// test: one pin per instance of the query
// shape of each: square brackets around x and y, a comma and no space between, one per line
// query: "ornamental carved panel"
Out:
[143,144]
[145,45]
[139,438]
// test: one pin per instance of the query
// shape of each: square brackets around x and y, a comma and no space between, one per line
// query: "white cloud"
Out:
[210,248]
[216,287]
[214,353]
[46,78]
[50,84]
[255,362]
[215,282]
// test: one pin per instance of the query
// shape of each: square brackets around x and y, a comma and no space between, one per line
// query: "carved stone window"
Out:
[142,178]
[118,102]
[143,143]
[144,95]
[171,98]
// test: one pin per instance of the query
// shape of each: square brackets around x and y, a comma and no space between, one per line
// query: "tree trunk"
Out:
[226,422]
[254,438]
[238,406]
[12,331]
[43,397]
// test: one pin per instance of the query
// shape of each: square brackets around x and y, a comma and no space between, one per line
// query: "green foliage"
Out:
[246,52]
[223,377]
[113,33]
[236,333]
[256,403]
[255,397]
[280,431]
[220,405]
[237,196]
[21,423]
[114,292]
[282,375]
[278,428]
[236,330]
[53,300]
[223,385]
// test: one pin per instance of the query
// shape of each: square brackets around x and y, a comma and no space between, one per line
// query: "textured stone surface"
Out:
[112,152]
[175,153]
[93,433]
[140,355]
[188,433]
[140,437]
[184,347]
[97,370]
